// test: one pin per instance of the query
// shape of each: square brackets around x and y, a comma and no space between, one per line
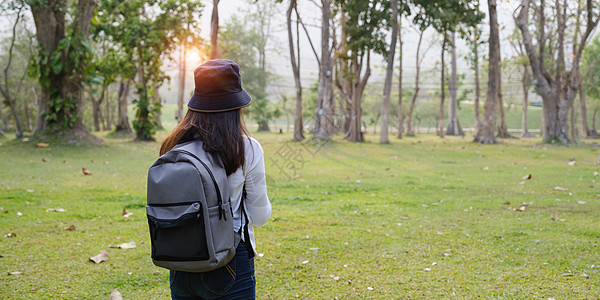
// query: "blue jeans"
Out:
[232,281]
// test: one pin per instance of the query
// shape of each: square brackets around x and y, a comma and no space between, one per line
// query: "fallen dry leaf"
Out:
[19,214]
[103,256]
[115,295]
[596,174]
[86,171]
[126,214]
[45,159]
[15,273]
[71,228]
[305,262]
[558,188]
[56,210]
[522,207]
[41,145]
[10,235]
[129,245]
[554,216]
[526,177]
[581,202]
[571,163]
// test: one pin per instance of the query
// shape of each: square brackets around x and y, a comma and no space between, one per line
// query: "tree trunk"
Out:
[485,133]
[215,51]
[5,91]
[594,133]
[95,111]
[295,61]
[182,77]
[443,93]
[3,120]
[159,101]
[584,123]
[526,80]
[67,84]
[409,125]
[15,113]
[502,128]
[453,123]
[50,29]
[123,127]
[573,127]
[96,107]
[477,90]
[324,114]
[27,114]
[385,107]
[358,83]
[400,56]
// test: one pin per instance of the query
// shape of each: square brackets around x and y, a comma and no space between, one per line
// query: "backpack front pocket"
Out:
[177,232]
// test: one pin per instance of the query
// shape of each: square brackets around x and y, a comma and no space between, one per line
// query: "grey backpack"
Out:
[189,211]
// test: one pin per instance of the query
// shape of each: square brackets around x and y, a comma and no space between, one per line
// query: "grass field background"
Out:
[419,218]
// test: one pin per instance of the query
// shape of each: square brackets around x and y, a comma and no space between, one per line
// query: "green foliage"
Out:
[449,15]
[147,32]
[365,27]
[591,65]
[72,59]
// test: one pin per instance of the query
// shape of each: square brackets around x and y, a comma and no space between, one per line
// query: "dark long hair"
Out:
[222,133]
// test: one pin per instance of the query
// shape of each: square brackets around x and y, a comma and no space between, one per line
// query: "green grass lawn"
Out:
[420,218]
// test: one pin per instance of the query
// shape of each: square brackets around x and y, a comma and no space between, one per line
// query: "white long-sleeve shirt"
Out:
[257,204]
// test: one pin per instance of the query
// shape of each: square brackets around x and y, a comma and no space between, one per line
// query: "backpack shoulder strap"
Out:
[190,148]
[246,232]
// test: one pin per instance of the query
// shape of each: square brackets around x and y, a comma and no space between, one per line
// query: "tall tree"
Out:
[502,127]
[122,127]
[385,107]
[440,126]
[419,59]
[453,123]
[474,42]
[364,24]
[591,84]
[557,90]
[295,61]
[485,132]
[9,91]
[324,124]
[522,63]
[62,63]
[147,32]
[400,57]
[242,43]
[448,17]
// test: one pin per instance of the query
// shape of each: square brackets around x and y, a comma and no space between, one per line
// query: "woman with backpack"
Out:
[214,117]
